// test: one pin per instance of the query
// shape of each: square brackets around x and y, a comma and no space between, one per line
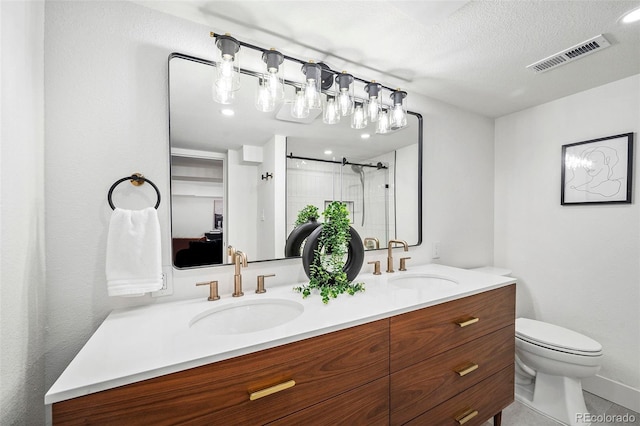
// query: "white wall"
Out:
[22,269]
[578,266]
[106,117]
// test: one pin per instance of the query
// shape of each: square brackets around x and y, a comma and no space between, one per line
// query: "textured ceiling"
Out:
[469,54]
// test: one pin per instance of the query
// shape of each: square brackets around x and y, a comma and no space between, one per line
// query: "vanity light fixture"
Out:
[345,93]
[331,114]
[359,117]
[398,118]
[373,106]
[299,107]
[313,84]
[319,79]
[228,69]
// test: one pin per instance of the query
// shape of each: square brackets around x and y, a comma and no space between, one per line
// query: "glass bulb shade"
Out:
[313,85]
[228,73]
[264,101]
[299,108]
[222,96]
[345,93]
[345,102]
[312,94]
[398,117]
[274,84]
[373,109]
[359,117]
[331,114]
[383,125]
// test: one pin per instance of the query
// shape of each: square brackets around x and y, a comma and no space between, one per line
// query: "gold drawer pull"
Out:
[467,369]
[271,390]
[466,322]
[466,416]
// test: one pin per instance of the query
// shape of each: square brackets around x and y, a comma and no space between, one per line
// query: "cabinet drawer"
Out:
[419,335]
[422,386]
[218,393]
[367,405]
[487,398]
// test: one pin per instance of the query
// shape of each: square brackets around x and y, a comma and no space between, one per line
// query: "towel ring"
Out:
[136,179]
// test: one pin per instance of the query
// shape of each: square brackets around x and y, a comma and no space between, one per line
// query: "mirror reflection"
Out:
[240,176]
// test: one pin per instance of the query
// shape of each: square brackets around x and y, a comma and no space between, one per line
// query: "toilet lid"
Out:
[555,337]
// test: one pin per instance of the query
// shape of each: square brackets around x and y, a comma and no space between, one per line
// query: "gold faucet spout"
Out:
[239,259]
[390,253]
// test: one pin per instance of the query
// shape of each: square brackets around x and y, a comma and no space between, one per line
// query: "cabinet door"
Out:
[422,386]
[367,405]
[419,335]
[219,393]
[474,406]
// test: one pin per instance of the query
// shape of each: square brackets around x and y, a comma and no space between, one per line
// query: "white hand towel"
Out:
[134,257]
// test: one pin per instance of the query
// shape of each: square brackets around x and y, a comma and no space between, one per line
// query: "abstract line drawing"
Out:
[597,171]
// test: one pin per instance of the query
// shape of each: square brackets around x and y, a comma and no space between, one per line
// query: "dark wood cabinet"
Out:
[431,366]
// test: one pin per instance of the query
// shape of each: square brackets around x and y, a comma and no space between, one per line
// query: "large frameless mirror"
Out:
[240,176]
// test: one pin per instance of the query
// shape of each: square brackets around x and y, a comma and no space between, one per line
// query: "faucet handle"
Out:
[213,289]
[260,288]
[376,267]
[403,263]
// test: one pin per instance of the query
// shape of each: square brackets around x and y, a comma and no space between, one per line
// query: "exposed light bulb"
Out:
[331,115]
[374,105]
[345,102]
[359,117]
[311,95]
[383,126]
[299,108]
[222,96]
[274,84]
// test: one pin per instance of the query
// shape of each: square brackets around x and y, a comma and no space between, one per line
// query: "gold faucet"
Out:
[390,255]
[239,260]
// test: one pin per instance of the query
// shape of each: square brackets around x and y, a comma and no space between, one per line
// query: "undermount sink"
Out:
[246,316]
[423,282]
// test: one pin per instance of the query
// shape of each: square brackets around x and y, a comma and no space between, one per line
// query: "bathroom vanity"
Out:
[398,354]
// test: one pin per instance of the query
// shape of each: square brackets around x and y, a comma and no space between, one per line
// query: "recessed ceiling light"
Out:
[228,112]
[365,136]
[328,152]
[633,16]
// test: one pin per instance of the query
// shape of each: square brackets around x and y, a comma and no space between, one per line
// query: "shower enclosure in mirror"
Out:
[239,176]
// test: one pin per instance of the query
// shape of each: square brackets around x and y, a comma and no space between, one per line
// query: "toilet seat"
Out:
[556,338]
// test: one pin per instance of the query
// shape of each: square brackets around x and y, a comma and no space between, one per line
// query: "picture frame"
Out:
[598,171]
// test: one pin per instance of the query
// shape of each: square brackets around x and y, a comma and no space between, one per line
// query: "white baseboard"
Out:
[613,391]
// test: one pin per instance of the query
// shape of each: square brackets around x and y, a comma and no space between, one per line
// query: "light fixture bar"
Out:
[325,68]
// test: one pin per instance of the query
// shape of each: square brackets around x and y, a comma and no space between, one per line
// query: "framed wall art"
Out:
[597,171]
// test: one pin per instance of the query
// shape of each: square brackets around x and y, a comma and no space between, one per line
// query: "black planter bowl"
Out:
[297,237]
[355,255]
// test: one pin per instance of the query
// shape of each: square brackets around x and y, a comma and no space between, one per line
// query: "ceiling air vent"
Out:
[571,54]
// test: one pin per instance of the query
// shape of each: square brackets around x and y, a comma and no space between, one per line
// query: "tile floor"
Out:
[518,414]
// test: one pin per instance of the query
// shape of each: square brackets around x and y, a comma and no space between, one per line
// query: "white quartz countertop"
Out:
[140,343]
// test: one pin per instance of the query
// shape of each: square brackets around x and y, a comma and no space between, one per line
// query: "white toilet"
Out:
[551,362]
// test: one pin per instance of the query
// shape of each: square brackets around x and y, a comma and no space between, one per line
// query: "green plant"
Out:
[327,274]
[307,213]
